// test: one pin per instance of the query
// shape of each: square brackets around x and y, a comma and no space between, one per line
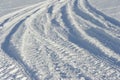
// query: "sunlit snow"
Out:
[59,40]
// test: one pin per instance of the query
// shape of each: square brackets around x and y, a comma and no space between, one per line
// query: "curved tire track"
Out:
[54,45]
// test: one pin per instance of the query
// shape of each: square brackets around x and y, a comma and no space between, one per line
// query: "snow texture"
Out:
[59,40]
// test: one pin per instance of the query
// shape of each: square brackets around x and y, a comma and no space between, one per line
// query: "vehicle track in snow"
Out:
[58,39]
[100,45]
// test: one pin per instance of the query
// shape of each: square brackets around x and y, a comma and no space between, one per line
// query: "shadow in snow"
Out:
[107,18]
[86,16]
[106,39]
[6,20]
[12,52]
[75,37]
[55,23]
[66,68]
[50,9]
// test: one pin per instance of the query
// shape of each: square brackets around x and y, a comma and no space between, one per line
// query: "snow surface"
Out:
[59,40]
[109,7]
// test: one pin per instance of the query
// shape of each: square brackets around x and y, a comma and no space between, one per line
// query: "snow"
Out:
[59,40]
[7,6]
[109,7]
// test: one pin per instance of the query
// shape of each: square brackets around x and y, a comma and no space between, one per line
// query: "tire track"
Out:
[73,32]
[110,28]
[51,42]
[54,45]
[108,37]
[10,49]
[84,40]
[10,69]
[65,55]
[105,17]
[105,50]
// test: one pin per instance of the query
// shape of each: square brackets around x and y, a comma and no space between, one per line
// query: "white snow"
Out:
[59,40]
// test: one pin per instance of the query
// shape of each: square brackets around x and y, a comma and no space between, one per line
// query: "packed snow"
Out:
[59,40]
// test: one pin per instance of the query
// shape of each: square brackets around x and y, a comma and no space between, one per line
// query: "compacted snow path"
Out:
[59,40]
